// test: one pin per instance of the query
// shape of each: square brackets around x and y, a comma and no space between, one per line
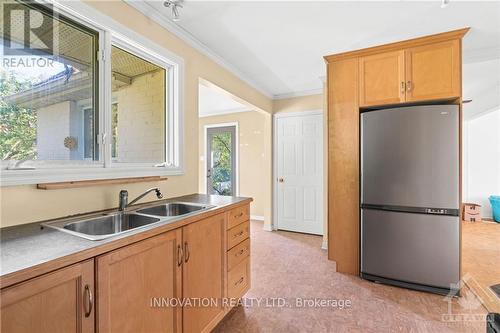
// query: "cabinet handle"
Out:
[239,281]
[239,215]
[402,87]
[238,234]
[408,85]
[179,255]
[89,300]
[240,253]
[186,252]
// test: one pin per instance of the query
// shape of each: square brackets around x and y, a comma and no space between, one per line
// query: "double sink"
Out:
[112,224]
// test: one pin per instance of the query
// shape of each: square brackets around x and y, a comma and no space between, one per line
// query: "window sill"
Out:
[30,177]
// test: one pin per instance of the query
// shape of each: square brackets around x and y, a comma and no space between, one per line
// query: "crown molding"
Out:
[149,11]
[298,94]
[439,37]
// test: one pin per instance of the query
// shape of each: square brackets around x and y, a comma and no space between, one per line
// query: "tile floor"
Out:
[289,265]
[481,259]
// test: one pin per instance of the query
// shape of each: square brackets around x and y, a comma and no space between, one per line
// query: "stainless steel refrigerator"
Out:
[410,197]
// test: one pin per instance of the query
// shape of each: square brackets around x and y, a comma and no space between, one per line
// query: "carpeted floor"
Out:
[287,266]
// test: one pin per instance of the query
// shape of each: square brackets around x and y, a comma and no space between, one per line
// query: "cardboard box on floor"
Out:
[471,212]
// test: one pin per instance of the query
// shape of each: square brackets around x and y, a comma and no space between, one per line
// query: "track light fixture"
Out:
[174,5]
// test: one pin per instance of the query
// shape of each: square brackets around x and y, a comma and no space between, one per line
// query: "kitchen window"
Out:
[94,104]
[41,117]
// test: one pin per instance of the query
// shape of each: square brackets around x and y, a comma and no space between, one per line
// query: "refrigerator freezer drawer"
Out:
[415,248]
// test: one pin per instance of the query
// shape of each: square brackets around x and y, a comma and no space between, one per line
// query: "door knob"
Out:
[281,180]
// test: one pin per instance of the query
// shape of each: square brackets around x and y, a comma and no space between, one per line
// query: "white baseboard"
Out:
[324,245]
[267,227]
[257,217]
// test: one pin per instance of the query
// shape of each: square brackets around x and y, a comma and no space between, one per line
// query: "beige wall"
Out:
[251,156]
[24,204]
[301,103]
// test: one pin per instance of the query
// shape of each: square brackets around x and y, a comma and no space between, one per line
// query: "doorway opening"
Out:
[235,149]
[480,228]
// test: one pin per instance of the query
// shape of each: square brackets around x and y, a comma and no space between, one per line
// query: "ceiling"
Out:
[215,102]
[278,46]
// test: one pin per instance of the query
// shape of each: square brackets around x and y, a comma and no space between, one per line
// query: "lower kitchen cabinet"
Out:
[238,253]
[129,278]
[203,273]
[172,282]
[61,301]
[184,264]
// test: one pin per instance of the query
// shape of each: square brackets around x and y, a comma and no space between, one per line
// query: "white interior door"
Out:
[299,173]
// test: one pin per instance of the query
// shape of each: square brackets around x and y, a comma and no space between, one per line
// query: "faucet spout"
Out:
[123,203]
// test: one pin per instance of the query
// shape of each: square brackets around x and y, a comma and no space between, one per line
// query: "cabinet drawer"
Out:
[238,215]
[238,279]
[238,253]
[238,234]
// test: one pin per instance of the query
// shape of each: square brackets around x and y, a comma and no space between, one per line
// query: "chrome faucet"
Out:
[123,203]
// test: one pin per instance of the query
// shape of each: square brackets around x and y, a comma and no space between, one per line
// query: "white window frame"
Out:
[112,33]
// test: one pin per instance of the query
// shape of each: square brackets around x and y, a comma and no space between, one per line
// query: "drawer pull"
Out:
[239,215]
[186,252]
[90,301]
[239,281]
[179,255]
[239,253]
[238,234]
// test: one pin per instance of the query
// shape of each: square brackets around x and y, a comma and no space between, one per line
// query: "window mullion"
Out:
[106,99]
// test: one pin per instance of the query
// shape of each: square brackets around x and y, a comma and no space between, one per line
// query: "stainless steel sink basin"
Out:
[172,209]
[103,226]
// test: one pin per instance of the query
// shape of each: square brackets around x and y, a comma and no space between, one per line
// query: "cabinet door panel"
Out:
[433,71]
[128,279]
[381,79]
[51,303]
[343,165]
[202,273]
